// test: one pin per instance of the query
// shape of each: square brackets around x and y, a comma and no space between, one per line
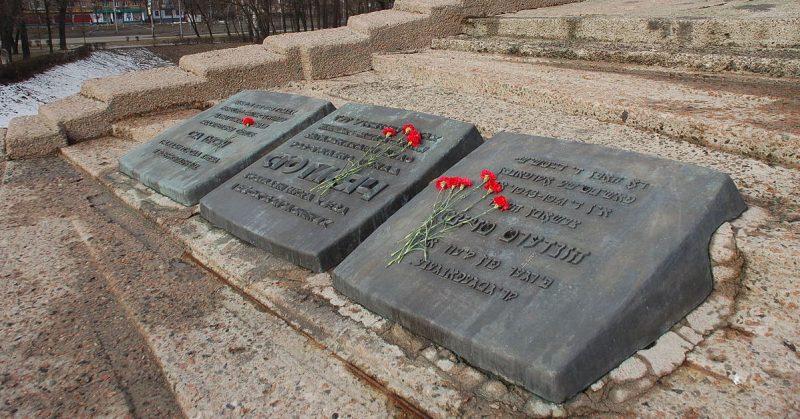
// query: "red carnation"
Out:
[465,182]
[248,121]
[442,182]
[407,128]
[493,186]
[414,138]
[488,176]
[453,182]
[389,132]
[501,203]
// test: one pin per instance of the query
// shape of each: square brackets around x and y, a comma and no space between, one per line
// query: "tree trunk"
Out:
[282,10]
[326,19]
[337,13]
[250,27]
[295,16]
[319,14]
[302,12]
[62,24]
[7,32]
[15,45]
[191,17]
[207,19]
[227,15]
[49,28]
[26,46]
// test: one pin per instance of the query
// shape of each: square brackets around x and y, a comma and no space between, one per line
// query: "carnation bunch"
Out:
[387,148]
[444,216]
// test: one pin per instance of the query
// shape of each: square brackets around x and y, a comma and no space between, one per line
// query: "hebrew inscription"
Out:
[189,160]
[599,252]
[276,203]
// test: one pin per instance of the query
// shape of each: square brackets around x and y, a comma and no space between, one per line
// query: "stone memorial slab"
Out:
[273,203]
[600,252]
[187,161]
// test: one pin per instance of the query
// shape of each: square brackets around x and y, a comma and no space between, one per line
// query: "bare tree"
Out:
[7,16]
[189,7]
[49,28]
[23,30]
[62,24]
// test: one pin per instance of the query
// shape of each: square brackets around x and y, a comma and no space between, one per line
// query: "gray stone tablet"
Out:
[187,161]
[272,204]
[601,252]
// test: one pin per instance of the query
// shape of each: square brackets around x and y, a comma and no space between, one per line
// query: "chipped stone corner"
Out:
[639,373]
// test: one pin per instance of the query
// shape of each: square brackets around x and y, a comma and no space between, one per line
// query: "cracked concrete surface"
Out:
[104,316]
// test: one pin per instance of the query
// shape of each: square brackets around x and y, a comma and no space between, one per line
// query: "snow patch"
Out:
[24,98]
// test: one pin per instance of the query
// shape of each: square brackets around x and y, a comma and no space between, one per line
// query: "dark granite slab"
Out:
[602,251]
[271,203]
[187,161]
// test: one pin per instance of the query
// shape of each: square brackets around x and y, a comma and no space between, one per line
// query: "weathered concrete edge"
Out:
[711,62]
[762,144]
[698,32]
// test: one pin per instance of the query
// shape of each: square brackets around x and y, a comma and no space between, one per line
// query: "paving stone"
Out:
[597,386]
[468,377]
[493,390]
[406,339]
[430,353]
[189,160]
[688,334]
[624,392]
[708,316]
[668,353]
[632,369]
[776,63]
[538,408]
[723,246]
[445,365]
[444,353]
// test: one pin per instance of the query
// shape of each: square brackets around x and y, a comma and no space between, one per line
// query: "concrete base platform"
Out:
[429,379]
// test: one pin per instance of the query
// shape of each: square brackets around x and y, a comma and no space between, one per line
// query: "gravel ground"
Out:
[106,316]
[66,346]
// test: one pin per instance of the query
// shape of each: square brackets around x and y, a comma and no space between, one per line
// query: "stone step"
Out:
[144,128]
[774,62]
[745,115]
[698,32]
[32,136]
